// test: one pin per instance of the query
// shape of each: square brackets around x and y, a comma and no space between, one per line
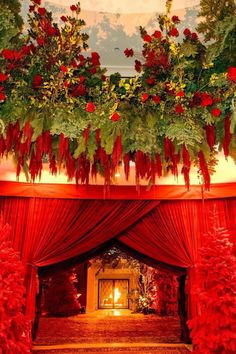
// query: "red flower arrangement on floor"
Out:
[213,329]
[58,106]
[15,329]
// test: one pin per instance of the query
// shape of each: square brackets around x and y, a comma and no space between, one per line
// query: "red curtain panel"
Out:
[47,231]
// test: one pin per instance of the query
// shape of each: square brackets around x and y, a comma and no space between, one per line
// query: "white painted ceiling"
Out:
[113,25]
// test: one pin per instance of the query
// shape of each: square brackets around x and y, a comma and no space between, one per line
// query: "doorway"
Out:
[113,294]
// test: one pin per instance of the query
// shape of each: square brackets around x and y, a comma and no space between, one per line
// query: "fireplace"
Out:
[113,294]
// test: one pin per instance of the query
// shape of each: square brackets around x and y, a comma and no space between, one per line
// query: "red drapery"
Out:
[173,232]
[48,231]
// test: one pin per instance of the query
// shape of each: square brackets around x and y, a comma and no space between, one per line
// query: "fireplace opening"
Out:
[113,294]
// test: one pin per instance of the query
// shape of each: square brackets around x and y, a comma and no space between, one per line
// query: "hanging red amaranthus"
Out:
[63,149]
[186,166]
[126,160]
[117,151]
[227,136]
[70,166]
[204,170]
[210,135]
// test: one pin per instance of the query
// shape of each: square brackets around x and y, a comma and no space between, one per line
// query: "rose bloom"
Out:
[2,96]
[232,74]
[150,81]
[95,58]
[129,52]
[156,99]
[175,19]
[64,18]
[157,34]
[115,117]
[145,97]
[206,100]
[64,69]
[138,66]
[216,112]
[42,11]
[180,94]
[90,107]
[73,8]
[194,36]
[174,32]
[179,109]
[3,77]
[40,41]
[37,81]
[187,32]
[147,38]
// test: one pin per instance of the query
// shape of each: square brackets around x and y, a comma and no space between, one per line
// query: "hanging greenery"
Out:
[57,105]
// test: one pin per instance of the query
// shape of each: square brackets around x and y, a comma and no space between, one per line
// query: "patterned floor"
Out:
[105,332]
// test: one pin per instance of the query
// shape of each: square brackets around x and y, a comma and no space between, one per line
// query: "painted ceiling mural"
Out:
[114,25]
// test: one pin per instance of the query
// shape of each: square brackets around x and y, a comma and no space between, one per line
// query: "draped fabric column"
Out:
[173,233]
[47,231]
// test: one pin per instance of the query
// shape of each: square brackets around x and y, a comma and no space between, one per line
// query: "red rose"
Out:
[3,77]
[93,71]
[216,112]
[174,32]
[95,58]
[157,34]
[79,90]
[175,19]
[147,38]
[138,66]
[74,63]
[32,48]
[31,8]
[37,2]
[150,81]
[51,31]
[206,100]
[144,97]
[63,68]
[73,8]
[103,77]
[232,74]
[26,49]
[81,79]
[37,81]
[156,99]
[64,18]
[42,11]
[194,36]
[179,109]
[180,94]
[40,41]
[115,117]
[81,59]
[187,32]
[8,54]
[66,84]
[129,52]
[2,96]
[90,107]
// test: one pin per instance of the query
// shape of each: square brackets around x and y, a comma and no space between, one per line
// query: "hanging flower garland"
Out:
[57,105]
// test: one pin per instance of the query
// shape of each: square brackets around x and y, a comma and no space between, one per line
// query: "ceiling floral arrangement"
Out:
[57,105]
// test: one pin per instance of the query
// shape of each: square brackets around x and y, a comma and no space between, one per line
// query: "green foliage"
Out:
[10,22]
[218,24]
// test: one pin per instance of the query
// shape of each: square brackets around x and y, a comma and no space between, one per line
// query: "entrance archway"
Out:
[45,272]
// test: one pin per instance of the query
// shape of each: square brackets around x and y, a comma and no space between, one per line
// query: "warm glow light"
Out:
[117,295]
